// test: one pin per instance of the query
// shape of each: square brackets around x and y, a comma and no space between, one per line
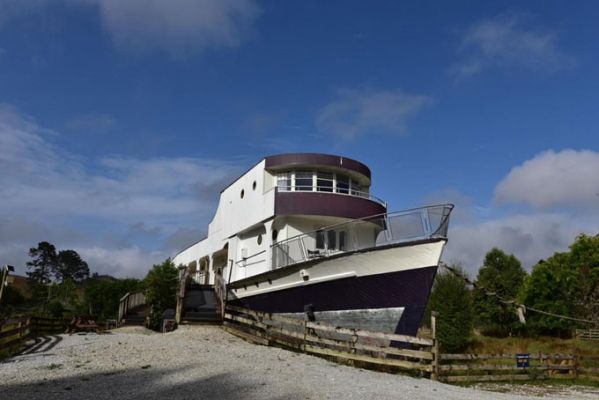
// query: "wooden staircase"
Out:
[200,305]
[132,309]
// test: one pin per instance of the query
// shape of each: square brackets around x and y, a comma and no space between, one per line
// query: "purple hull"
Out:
[409,289]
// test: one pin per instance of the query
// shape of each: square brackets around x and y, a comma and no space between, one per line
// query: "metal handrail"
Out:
[388,228]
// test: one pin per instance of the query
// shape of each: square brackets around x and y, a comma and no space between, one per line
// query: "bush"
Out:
[161,290]
[452,300]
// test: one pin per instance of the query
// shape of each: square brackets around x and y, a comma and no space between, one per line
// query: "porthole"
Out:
[254,185]
[260,239]
[275,233]
[242,193]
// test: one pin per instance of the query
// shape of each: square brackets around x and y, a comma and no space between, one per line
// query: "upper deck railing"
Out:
[364,233]
[329,189]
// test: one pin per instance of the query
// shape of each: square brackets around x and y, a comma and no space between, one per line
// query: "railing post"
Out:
[435,348]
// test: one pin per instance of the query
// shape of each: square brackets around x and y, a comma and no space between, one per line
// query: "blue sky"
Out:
[121,121]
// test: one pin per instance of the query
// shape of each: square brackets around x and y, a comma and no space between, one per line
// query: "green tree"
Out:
[43,264]
[565,284]
[102,295]
[70,266]
[452,300]
[161,290]
[503,276]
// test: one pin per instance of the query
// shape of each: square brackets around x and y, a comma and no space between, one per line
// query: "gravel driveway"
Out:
[204,362]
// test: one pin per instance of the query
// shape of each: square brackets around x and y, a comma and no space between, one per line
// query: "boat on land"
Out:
[300,235]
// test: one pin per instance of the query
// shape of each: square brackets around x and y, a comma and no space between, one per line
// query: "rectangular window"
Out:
[332,240]
[355,188]
[324,181]
[342,184]
[303,180]
[284,182]
[342,240]
[319,239]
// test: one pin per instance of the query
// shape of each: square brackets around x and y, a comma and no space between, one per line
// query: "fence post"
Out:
[575,366]
[435,349]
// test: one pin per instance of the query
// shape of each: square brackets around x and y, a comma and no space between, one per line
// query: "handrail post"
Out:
[435,348]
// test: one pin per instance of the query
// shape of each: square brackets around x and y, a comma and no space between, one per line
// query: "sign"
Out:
[522,360]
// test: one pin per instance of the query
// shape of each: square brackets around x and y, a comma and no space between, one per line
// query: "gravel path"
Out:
[204,362]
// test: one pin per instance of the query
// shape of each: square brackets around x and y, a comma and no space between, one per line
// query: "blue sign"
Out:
[522,360]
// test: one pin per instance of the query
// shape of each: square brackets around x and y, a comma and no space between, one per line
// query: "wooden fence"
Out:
[504,367]
[342,344]
[13,332]
[391,351]
[587,334]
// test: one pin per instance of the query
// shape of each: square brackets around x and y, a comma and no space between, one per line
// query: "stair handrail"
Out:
[128,302]
[220,289]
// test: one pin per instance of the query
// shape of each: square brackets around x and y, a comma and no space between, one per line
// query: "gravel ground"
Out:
[204,362]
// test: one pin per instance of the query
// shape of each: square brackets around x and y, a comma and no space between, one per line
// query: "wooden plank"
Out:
[330,328]
[246,336]
[370,334]
[584,370]
[367,359]
[332,342]
[261,315]
[505,356]
[496,367]
[486,378]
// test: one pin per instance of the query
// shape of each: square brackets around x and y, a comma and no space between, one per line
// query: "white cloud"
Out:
[176,26]
[530,237]
[568,178]
[506,41]
[58,189]
[361,112]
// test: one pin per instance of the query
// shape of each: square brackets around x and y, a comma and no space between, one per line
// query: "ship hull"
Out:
[381,289]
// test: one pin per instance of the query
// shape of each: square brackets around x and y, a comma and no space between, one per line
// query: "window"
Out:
[260,239]
[342,184]
[342,239]
[242,193]
[324,181]
[319,239]
[284,182]
[275,234]
[332,240]
[303,180]
[355,188]
[254,185]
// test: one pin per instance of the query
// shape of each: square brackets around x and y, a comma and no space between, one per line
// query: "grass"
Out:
[489,345]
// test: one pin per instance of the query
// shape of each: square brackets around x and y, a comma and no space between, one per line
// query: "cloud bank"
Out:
[560,192]
[179,27]
[99,207]
[507,41]
[355,113]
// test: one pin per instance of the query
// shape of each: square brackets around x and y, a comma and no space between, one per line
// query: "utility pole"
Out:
[6,270]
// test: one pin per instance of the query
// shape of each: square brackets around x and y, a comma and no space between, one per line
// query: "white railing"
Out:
[331,190]
[374,231]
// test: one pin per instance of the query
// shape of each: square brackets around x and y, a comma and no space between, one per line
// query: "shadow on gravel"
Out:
[145,383]
[42,344]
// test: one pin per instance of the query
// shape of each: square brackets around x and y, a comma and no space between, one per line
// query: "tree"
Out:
[452,299]
[102,295]
[70,266]
[44,263]
[565,284]
[500,277]
[161,290]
